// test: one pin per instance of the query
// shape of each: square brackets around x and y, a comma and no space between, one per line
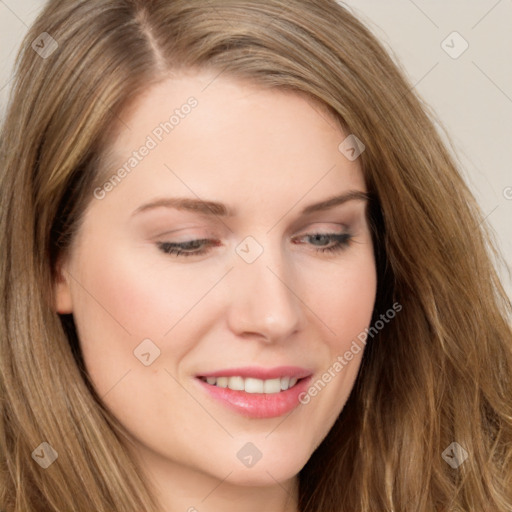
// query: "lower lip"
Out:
[258,405]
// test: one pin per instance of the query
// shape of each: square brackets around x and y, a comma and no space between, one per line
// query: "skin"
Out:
[266,154]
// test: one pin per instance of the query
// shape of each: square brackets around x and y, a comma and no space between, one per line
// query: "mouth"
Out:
[255,392]
[253,385]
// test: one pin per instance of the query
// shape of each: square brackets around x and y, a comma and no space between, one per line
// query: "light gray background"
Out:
[471,94]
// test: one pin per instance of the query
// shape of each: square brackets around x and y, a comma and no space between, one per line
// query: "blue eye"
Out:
[323,242]
[330,242]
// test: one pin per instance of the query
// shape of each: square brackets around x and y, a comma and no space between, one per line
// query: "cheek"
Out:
[345,306]
[120,301]
[343,298]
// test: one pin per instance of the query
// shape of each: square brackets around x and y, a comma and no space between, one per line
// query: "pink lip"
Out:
[261,373]
[259,405]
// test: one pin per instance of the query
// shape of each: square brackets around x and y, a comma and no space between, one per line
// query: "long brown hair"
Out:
[440,372]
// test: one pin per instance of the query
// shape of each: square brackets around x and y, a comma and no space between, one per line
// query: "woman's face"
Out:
[274,296]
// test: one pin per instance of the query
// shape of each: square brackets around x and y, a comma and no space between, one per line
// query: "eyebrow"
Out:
[221,210]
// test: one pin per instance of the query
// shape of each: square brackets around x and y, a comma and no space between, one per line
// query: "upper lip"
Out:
[258,372]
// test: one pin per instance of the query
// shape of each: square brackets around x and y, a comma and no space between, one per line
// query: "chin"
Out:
[278,467]
[263,476]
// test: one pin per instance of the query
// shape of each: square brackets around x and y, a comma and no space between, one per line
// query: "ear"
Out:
[63,303]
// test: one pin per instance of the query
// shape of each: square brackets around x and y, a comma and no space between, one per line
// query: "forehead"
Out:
[198,129]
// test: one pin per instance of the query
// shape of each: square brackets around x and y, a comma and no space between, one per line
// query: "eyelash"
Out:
[342,241]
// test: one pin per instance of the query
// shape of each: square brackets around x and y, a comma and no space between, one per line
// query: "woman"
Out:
[241,270]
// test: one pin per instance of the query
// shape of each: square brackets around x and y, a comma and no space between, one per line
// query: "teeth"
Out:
[236,383]
[222,382]
[272,386]
[254,385]
[251,385]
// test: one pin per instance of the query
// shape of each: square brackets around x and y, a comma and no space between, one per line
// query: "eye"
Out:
[328,242]
[189,248]
[323,243]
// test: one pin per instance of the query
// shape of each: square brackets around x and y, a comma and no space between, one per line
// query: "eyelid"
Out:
[204,233]
[327,228]
[192,232]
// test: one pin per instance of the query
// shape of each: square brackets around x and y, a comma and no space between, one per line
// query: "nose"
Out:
[265,302]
